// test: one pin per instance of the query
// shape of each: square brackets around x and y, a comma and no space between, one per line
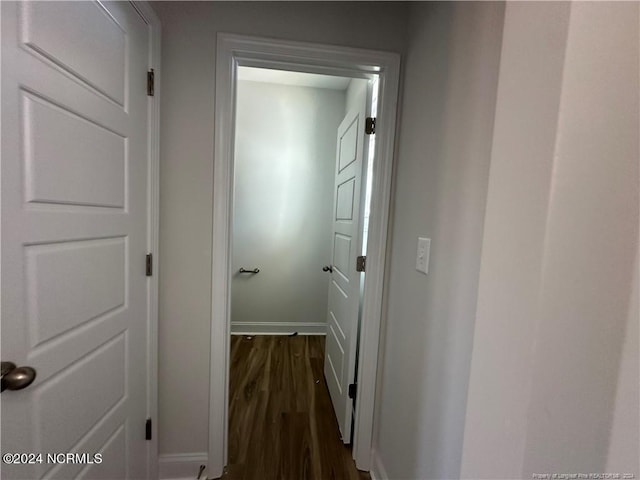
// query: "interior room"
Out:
[287,160]
[311,240]
[284,166]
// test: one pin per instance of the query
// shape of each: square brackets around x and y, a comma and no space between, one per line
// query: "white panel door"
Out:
[344,285]
[74,236]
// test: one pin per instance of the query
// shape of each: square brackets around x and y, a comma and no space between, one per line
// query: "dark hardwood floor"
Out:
[281,421]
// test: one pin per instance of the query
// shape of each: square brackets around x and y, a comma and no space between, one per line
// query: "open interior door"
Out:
[74,239]
[344,285]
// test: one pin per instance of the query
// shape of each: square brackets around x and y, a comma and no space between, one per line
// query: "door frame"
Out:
[239,50]
[153,225]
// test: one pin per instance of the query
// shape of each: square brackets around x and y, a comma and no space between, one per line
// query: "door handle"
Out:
[327,268]
[16,378]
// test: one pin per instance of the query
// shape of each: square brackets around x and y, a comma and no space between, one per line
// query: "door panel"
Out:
[114,449]
[74,234]
[334,367]
[345,200]
[91,400]
[73,283]
[348,144]
[341,250]
[89,171]
[344,287]
[92,49]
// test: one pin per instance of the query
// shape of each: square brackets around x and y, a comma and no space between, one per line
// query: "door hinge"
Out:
[361,263]
[370,125]
[150,82]
[353,389]
[147,429]
[149,265]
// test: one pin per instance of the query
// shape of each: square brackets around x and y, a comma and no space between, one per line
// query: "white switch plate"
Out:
[422,258]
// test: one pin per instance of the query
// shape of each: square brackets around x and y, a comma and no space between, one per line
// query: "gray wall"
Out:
[522,156]
[625,424]
[559,249]
[285,153]
[186,174]
[440,190]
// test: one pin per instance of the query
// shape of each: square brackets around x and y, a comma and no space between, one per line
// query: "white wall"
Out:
[625,429]
[285,152]
[186,169]
[440,189]
[525,129]
[561,236]
[552,307]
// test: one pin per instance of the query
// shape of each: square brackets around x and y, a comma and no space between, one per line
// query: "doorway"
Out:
[234,52]
[300,177]
[284,162]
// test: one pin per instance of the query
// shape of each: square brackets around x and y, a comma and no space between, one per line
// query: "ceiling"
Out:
[299,79]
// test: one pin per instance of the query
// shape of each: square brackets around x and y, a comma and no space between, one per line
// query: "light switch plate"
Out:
[422,257]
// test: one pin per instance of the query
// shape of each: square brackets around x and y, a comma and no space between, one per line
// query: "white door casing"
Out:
[233,51]
[344,284]
[75,232]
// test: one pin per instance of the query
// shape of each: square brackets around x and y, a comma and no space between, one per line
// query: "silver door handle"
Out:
[244,270]
[327,268]
[16,378]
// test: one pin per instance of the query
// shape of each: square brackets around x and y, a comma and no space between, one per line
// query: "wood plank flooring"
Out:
[281,421]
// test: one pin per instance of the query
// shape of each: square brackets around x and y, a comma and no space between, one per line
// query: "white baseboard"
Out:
[278,328]
[378,471]
[181,466]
